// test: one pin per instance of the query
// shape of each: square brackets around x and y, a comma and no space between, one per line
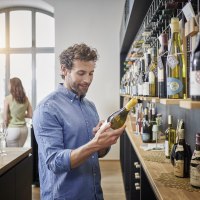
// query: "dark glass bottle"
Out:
[162,60]
[195,72]
[195,163]
[118,118]
[181,155]
[146,134]
[147,59]
[152,73]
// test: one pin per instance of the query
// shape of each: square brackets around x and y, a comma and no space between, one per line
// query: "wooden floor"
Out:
[112,182]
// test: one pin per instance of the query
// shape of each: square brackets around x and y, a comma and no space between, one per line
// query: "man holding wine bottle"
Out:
[67,130]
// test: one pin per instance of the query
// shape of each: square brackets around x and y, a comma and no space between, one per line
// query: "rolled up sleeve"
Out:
[49,136]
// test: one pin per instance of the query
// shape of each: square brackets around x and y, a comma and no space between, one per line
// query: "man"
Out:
[66,127]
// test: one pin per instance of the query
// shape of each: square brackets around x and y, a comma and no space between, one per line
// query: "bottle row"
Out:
[176,149]
[161,70]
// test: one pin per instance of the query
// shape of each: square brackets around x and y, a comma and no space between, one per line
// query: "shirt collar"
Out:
[70,94]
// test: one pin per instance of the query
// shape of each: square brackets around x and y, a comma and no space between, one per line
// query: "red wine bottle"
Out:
[181,155]
[195,72]
[195,163]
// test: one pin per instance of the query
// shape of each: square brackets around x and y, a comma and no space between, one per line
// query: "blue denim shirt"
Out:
[63,122]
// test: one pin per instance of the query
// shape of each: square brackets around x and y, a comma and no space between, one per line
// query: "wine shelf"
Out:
[155,100]
[188,104]
[183,103]
[170,101]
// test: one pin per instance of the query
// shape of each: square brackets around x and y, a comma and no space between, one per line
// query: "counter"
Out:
[16,174]
[158,173]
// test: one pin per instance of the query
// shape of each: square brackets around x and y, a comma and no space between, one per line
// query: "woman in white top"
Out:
[16,108]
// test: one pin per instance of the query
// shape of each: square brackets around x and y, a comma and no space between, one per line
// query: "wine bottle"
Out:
[118,118]
[141,76]
[170,137]
[146,130]
[162,59]
[195,163]
[152,69]
[181,154]
[147,59]
[195,72]
[153,122]
[176,70]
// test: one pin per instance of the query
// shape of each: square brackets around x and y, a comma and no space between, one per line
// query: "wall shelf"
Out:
[183,103]
[170,101]
[155,100]
[188,104]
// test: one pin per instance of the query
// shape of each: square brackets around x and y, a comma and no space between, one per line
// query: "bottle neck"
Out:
[169,125]
[131,104]
[197,148]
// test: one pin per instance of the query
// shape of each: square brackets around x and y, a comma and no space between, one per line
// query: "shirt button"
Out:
[93,157]
[94,174]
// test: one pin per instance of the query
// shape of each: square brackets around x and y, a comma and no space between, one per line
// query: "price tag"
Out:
[160,63]
[188,11]
[172,61]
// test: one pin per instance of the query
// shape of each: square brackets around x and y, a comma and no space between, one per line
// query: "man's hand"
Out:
[103,139]
[106,136]
[95,129]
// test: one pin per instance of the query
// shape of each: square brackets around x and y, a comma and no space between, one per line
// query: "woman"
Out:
[16,108]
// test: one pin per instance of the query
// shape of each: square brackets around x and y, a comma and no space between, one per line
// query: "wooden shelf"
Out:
[183,103]
[125,95]
[146,98]
[188,104]
[155,100]
[170,101]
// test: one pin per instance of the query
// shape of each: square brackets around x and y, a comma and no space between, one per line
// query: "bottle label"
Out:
[160,75]
[196,154]
[145,137]
[134,90]
[160,63]
[179,168]
[140,89]
[154,135]
[146,88]
[151,78]
[195,176]
[174,86]
[172,61]
[166,148]
[195,82]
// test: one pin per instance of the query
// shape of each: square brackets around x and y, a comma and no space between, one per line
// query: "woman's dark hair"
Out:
[17,90]
[77,52]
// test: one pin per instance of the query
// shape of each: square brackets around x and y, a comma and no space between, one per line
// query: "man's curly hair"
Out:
[77,52]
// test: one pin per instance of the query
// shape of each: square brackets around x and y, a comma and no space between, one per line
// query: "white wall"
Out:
[96,23]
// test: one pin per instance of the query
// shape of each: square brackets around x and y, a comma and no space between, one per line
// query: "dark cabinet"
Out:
[136,183]
[16,183]
[35,159]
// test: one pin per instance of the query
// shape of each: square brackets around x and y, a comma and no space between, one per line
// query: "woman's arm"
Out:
[29,110]
[6,112]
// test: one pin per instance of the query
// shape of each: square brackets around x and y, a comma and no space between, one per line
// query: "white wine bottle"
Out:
[170,137]
[118,118]
[176,70]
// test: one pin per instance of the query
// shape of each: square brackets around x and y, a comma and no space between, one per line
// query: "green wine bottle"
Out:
[176,70]
[170,137]
[118,118]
